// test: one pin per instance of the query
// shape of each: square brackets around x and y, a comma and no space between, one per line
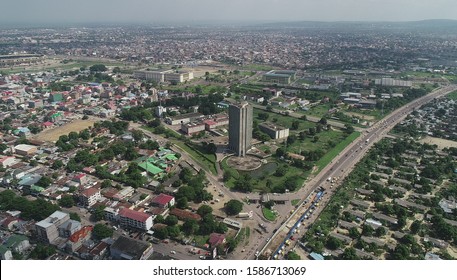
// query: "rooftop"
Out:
[162,199]
[134,215]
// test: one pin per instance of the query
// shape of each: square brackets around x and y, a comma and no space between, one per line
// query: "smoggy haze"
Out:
[153,11]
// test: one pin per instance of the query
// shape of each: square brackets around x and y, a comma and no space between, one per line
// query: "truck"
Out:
[245,215]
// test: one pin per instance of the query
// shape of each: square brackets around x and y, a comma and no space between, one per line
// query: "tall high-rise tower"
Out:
[240,128]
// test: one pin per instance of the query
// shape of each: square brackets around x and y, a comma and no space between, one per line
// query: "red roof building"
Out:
[76,239]
[135,219]
[163,201]
[216,239]
[183,214]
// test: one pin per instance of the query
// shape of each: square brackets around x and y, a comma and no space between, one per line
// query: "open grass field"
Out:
[452,95]
[285,121]
[53,134]
[328,157]
[206,160]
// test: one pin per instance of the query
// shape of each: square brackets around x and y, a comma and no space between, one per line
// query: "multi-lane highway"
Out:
[343,164]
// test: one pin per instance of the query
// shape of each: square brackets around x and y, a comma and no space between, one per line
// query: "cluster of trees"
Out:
[115,127]
[102,231]
[98,68]
[205,226]
[207,104]
[132,176]
[138,113]
[95,77]
[209,148]
[42,252]
[37,209]
[70,141]
[192,188]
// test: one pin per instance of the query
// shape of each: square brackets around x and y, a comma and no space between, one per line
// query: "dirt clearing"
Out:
[441,143]
[53,134]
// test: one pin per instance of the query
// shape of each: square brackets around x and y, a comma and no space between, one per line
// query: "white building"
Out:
[89,197]
[135,219]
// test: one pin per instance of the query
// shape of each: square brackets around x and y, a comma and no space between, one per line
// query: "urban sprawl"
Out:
[276,141]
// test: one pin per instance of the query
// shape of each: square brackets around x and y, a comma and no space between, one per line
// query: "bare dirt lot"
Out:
[441,143]
[361,116]
[53,134]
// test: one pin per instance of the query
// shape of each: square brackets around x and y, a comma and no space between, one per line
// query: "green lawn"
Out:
[295,202]
[323,143]
[207,161]
[268,214]
[329,156]
[257,67]
[452,95]
[319,110]
[282,120]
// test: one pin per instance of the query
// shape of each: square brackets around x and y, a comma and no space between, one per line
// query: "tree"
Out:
[293,256]
[295,124]
[380,231]
[349,254]
[171,220]
[401,252]
[42,252]
[354,233]
[106,184]
[98,68]
[182,203]
[57,164]
[99,213]
[233,207]
[161,233]
[269,204]
[416,226]
[349,128]
[311,131]
[75,216]
[159,219]
[333,243]
[280,152]
[44,182]
[173,231]
[137,135]
[204,210]
[190,227]
[323,121]
[67,201]
[102,231]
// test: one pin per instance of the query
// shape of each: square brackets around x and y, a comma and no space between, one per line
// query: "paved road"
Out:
[343,164]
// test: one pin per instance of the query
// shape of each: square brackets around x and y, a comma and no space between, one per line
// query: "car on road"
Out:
[202,257]
[173,252]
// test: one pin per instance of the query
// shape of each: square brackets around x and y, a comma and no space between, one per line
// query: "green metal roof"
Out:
[151,168]
[14,240]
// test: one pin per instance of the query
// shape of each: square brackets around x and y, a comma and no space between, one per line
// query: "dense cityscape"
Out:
[305,140]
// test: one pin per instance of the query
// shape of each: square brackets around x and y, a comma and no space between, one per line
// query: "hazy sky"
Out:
[155,11]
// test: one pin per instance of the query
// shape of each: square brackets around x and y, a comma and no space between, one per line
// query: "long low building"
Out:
[172,76]
[274,131]
[135,219]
